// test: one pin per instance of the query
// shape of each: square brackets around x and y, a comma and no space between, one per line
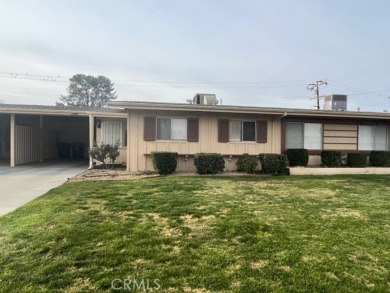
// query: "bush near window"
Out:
[103,152]
[380,158]
[209,163]
[247,163]
[274,164]
[331,158]
[164,162]
[358,160]
[298,157]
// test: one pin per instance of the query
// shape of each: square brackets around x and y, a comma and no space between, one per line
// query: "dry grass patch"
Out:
[260,264]
[344,213]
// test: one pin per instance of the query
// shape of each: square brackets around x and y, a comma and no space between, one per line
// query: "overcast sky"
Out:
[258,53]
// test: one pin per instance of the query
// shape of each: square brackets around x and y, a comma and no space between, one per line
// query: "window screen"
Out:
[248,131]
[366,137]
[381,138]
[294,135]
[179,129]
[163,129]
[312,136]
[234,130]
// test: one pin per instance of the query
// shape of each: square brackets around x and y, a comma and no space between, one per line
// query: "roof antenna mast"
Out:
[315,88]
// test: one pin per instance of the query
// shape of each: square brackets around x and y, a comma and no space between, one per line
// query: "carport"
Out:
[40,133]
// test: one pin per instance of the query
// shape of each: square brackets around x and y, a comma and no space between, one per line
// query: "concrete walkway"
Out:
[22,184]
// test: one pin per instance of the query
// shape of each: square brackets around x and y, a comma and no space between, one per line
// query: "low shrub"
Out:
[164,162]
[246,163]
[209,163]
[380,158]
[358,160]
[274,164]
[103,152]
[297,157]
[331,158]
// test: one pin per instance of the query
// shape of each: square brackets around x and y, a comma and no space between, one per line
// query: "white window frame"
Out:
[241,139]
[374,143]
[111,137]
[304,142]
[184,138]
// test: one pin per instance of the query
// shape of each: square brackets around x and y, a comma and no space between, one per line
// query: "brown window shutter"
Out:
[193,129]
[261,131]
[223,130]
[149,128]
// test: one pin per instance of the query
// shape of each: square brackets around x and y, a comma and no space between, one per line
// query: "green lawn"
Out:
[202,234]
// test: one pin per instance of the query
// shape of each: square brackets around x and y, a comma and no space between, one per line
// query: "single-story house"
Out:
[36,133]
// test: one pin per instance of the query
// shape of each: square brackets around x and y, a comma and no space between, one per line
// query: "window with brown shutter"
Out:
[261,129]
[223,130]
[149,128]
[193,129]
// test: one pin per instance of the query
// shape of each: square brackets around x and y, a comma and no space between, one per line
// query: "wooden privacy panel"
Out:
[223,130]
[149,128]
[261,129]
[193,129]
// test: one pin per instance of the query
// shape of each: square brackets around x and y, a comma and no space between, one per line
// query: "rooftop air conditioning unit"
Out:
[335,103]
[205,99]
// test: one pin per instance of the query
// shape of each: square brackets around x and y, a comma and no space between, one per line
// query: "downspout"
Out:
[281,117]
[273,132]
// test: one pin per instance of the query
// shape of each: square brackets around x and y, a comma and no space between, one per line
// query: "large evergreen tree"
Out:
[88,91]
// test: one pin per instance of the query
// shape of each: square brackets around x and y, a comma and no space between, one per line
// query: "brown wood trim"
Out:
[223,130]
[193,130]
[283,136]
[341,130]
[192,155]
[342,143]
[339,136]
[261,131]
[357,138]
[150,128]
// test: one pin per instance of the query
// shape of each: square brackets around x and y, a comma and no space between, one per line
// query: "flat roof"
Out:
[60,110]
[140,105]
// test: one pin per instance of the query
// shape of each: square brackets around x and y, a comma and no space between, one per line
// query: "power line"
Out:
[315,87]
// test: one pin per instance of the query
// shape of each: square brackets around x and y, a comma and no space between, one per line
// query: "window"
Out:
[171,129]
[312,136]
[242,130]
[111,132]
[304,135]
[373,137]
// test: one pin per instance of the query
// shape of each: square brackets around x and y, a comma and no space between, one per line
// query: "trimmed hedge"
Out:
[357,160]
[380,158]
[246,163]
[274,164]
[331,158]
[164,162]
[209,163]
[298,157]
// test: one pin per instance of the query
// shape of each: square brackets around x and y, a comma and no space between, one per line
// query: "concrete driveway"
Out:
[21,184]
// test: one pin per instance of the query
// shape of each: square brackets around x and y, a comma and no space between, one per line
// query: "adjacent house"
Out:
[36,133]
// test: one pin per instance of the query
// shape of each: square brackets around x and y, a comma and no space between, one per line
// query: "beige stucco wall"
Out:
[139,150]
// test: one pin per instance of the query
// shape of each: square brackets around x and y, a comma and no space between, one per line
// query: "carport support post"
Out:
[91,138]
[12,140]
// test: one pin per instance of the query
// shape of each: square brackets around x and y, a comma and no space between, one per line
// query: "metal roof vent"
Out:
[335,103]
